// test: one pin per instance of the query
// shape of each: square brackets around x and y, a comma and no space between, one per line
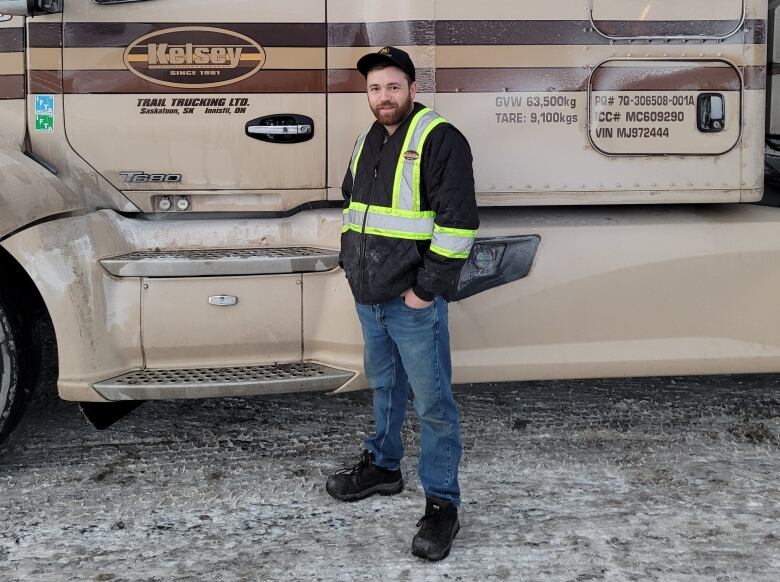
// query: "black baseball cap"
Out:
[388,54]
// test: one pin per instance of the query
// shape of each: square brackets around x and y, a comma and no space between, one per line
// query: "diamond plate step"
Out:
[222,262]
[220,382]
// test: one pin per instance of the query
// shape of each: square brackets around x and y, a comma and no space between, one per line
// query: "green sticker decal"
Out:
[44,123]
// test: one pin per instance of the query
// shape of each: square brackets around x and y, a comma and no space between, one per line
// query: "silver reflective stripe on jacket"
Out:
[390,225]
[453,244]
[406,191]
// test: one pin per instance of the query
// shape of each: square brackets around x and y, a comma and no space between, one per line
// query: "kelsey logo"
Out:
[163,56]
[194,57]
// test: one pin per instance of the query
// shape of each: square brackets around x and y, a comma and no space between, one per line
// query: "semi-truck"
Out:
[171,205]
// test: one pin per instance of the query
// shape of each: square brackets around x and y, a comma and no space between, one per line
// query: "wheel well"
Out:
[30,311]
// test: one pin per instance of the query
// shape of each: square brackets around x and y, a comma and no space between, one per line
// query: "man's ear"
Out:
[413,89]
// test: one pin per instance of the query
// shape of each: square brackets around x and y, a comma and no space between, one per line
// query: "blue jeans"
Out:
[412,346]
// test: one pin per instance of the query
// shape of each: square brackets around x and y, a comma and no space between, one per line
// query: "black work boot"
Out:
[438,527]
[363,480]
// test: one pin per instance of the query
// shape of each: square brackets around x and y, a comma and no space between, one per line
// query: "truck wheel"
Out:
[12,393]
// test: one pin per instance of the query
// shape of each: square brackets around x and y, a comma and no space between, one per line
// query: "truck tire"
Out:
[13,395]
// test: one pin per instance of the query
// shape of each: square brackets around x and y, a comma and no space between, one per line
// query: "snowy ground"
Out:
[655,479]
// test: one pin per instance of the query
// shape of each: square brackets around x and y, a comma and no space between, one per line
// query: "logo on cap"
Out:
[385,51]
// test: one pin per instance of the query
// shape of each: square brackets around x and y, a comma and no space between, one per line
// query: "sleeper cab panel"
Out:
[618,141]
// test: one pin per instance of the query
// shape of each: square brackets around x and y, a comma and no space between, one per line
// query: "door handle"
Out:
[711,113]
[281,128]
[223,300]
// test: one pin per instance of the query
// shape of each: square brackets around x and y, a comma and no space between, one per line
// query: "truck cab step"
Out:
[222,262]
[223,382]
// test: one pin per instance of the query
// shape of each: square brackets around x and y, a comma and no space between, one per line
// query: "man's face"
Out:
[390,95]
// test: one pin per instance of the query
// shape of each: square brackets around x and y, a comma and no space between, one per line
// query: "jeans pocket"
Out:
[417,309]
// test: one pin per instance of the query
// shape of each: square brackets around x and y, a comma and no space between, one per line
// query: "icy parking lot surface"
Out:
[653,479]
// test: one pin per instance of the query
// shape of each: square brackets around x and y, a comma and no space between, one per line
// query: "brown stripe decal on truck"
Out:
[415,32]
[512,80]
[45,82]
[11,40]
[351,81]
[44,34]
[264,81]
[517,32]
[101,34]
[572,79]
[636,28]
[523,32]
[164,57]
[407,33]
[615,78]
[665,78]
[11,86]
[567,32]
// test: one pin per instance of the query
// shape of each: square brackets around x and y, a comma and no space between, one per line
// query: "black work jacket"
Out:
[380,268]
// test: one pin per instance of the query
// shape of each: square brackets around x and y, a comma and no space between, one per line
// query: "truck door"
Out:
[225,104]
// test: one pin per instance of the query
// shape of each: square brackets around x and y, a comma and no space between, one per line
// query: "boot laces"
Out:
[357,469]
[433,516]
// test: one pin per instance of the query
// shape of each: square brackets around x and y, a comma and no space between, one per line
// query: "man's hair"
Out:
[387,65]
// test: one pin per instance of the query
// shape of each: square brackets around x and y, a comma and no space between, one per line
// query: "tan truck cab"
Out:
[170,197]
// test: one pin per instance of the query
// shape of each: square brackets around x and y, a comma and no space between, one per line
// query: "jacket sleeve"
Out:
[448,181]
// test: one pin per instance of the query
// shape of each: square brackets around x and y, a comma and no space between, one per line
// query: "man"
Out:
[410,219]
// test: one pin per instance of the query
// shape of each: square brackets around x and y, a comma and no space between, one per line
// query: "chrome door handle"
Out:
[279,129]
[223,300]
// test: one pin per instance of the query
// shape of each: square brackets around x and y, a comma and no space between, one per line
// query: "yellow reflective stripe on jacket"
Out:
[459,232]
[357,152]
[453,243]
[406,186]
[417,164]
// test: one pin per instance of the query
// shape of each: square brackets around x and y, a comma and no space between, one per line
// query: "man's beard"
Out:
[390,117]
